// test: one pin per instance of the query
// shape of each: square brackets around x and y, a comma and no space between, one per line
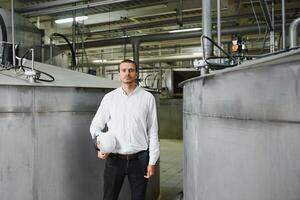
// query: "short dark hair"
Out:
[128,61]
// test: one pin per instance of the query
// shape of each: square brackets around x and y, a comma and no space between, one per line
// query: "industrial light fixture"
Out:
[185,30]
[67,20]
[99,61]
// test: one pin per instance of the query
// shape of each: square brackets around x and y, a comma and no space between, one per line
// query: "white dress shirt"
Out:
[132,119]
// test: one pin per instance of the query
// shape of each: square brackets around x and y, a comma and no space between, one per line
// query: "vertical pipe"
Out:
[160,71]
[38,24]
[283,24]
[125,45]
[51,50]
[32,59]
[272,32]
[206,23]
[43,52]
[74,37]
[219,24]
[181,13]
[103,67]
[136,48]
[13,32]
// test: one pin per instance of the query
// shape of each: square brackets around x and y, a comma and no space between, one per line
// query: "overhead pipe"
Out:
[144,38]
[151,60]
[164,37]
[164,22]
[206,25]
[293,32]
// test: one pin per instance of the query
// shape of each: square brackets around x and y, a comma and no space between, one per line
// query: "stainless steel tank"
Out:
[46,151]
[26,34]
[242,132]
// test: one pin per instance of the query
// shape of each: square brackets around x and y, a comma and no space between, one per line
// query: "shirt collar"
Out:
[130,94]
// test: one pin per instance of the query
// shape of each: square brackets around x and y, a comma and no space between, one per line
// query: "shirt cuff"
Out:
[152,162]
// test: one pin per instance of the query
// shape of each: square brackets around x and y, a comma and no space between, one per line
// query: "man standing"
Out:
[130,115]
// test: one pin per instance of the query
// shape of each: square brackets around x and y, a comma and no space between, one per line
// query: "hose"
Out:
[217,66]
[73,61]
[3,29]
[39,73]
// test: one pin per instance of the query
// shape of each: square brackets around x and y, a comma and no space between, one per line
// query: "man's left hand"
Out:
[150,171]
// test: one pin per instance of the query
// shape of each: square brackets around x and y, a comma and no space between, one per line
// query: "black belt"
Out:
[126,156]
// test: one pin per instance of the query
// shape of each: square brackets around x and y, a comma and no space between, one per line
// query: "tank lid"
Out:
[63,78]
[286,57]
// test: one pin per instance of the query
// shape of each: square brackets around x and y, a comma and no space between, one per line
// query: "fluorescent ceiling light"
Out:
[185,30]
[99,61]
[67,20]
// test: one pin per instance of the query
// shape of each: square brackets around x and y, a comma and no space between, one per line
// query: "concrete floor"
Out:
[171,168]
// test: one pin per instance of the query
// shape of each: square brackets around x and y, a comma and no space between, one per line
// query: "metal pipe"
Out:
[51,50]
[151,60]
[283,24]
[181,13]
[192,19]
[219,24]
[38,24]
[165,36]
[74,32]
[136,54]
[293,32]
[272,32]
[13,32]
[32,59]
[206,23]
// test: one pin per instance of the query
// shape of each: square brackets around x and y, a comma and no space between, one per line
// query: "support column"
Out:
[219,25]
[283,24]
[13,32]
[206,25]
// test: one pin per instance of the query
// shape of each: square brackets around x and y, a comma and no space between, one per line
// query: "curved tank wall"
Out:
[26,34]
[46,151]
[242,132]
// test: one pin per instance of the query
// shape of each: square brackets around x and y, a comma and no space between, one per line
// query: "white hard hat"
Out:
[107,142]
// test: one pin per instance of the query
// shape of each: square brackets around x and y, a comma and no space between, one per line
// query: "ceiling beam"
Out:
[71,8]
[46,5]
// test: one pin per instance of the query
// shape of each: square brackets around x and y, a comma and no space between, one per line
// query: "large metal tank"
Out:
[46,152]
[26,34]
[242,132]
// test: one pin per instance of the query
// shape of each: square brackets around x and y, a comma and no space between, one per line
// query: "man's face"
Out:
[128,74]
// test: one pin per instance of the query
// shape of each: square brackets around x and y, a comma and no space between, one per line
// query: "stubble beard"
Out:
[129,82]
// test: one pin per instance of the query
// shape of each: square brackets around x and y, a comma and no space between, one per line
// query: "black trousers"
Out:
[117,168]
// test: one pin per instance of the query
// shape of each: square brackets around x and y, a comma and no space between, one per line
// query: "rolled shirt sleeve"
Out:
[100,119]
[152,127]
